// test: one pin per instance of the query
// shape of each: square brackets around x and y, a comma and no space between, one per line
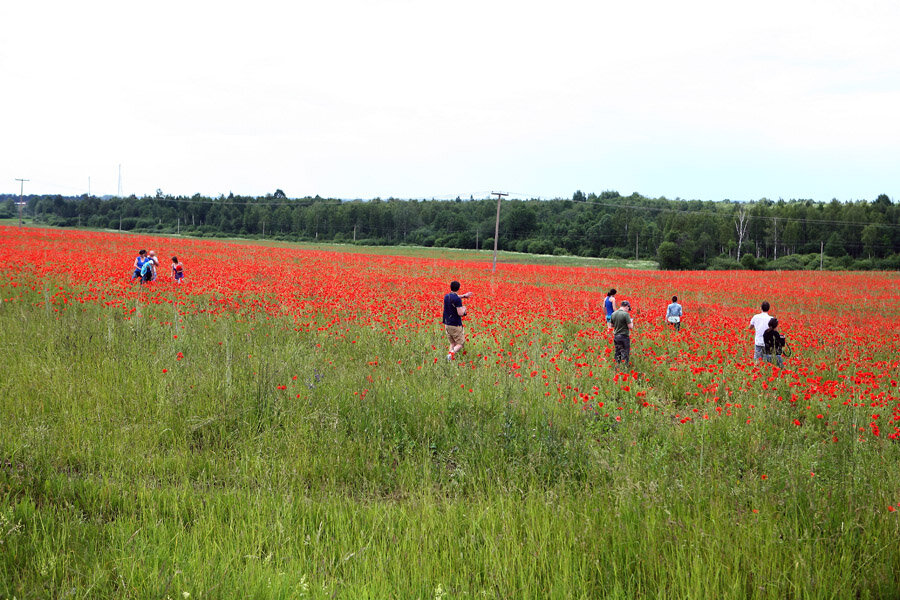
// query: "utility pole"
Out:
[21,191]
[497,227]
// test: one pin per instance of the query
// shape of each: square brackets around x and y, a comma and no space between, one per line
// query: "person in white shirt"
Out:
[760,323]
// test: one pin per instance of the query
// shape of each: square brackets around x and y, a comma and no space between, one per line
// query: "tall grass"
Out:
[401,479]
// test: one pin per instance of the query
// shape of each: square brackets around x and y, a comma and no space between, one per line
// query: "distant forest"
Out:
[679,234]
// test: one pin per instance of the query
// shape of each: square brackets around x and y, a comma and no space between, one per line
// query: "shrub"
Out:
[540,247]
[749,261]
[890,263]
[724,263]
[791,262]
[669,256]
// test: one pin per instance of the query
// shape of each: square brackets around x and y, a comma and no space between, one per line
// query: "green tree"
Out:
[835,246]
[875,241]
[669,256]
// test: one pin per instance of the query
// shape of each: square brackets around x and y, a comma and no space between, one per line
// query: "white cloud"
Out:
[403,98]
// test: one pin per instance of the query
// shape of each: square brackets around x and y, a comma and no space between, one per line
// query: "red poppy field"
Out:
[294,409]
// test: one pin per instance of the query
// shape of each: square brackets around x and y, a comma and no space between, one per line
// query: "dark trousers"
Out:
[623,348]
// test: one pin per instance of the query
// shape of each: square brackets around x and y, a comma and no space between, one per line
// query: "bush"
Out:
[845,262]
[724,263]
[890,263]
[866,264]
[749,261]
[791,262]
[128,223]
[669,256]
[540,247]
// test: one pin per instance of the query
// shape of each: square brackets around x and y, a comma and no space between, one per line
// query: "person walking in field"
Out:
[774,343]
[760,323]
[177,270]
[674,314]
[454,311]
[139,261]
[148,272]
[622,324]
[610,306]
[148,269]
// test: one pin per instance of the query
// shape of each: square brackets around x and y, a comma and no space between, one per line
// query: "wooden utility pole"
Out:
[21,191]
[497,227]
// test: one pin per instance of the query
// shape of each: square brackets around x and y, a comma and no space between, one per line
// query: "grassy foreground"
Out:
[161,456]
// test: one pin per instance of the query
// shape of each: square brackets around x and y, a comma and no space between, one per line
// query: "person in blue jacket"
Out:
[674,314]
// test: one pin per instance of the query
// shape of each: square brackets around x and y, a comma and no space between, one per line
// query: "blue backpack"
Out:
[147,270]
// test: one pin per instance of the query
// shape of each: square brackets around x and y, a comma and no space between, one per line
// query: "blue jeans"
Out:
[759,353]
[775,359]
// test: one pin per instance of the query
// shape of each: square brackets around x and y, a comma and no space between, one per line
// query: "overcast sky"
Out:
[418,99]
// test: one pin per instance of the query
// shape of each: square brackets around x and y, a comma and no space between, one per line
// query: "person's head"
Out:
[174,259]
[142,252]
[611,292]
[454,286]
[674,298]
[152,253]
[626,305]
[765,307]
[773,323]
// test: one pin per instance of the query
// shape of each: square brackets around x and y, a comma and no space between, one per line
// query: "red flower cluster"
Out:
[525,321]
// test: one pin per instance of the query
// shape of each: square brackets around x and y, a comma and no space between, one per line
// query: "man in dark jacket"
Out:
[453,314]
[622,324]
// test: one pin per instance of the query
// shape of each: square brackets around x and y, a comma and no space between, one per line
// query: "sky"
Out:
[350,99]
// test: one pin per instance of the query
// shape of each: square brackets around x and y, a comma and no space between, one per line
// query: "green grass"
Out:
[394,480]
[485,256]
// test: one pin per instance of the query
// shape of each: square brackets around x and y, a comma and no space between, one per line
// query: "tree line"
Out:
[679,234]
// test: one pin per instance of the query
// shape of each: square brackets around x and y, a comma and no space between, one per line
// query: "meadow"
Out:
[285,425]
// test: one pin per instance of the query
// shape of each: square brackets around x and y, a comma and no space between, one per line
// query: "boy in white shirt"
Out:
[760,323]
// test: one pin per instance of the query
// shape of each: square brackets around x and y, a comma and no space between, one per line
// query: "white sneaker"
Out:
[450,356]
